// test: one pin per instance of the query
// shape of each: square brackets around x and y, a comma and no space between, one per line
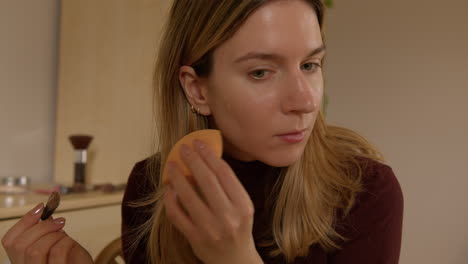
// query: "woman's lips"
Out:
[293,137]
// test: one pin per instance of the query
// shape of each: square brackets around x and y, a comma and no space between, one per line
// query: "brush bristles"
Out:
[80,141]
[52,204]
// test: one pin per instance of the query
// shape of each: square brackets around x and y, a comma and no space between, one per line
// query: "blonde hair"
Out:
[309,193]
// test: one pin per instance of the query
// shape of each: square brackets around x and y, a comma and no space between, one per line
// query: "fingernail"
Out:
[199,144]
[59,221]
[185,150]
[36,210]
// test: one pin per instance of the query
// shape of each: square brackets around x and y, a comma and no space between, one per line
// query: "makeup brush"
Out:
[52,204]
[80,144]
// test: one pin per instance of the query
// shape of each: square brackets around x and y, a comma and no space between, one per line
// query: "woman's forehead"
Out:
[280,27]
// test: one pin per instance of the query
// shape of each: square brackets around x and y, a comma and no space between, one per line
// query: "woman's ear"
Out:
[195,89]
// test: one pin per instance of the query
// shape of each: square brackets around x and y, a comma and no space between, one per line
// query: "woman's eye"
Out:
[310,66]
[258,74]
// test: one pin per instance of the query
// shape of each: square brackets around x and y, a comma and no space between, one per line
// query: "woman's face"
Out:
[267,82]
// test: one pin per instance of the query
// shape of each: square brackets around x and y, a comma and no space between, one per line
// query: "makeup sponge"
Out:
[211,137]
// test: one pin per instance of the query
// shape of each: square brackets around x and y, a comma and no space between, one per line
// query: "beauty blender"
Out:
[211,137]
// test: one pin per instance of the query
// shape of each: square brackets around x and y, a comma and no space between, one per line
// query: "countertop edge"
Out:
[68,204]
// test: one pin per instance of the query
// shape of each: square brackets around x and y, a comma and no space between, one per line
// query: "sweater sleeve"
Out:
[138,187]
[374,225]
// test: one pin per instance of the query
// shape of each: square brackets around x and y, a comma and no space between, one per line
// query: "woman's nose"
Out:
[301,95]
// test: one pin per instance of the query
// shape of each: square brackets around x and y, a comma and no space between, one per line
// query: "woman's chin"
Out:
[283,159]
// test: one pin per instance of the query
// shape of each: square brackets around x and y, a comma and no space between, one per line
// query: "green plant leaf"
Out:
[329,3]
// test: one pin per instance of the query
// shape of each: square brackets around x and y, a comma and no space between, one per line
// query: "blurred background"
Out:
[397,72]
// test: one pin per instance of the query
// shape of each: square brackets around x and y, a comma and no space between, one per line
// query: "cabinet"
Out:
[106,61]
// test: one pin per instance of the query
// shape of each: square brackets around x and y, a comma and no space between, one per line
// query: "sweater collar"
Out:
[252,174]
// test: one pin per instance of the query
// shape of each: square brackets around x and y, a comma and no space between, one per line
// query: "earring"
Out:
[193,109]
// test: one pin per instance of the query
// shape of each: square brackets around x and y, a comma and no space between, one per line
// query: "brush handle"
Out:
[80,172]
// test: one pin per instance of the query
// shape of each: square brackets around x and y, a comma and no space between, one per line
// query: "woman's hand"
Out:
[31,241]
[213,210]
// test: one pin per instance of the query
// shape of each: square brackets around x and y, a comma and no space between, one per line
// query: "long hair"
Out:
[325,180]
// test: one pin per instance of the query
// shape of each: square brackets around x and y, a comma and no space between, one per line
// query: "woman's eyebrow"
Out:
[273,56]
[317,50]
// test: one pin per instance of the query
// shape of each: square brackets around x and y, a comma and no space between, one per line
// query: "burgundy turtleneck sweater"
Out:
[373,226]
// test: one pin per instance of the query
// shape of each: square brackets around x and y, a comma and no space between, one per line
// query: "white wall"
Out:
[397,72]
[28,48]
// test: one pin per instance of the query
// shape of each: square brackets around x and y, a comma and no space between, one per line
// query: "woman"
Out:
[289,188]
[252,69]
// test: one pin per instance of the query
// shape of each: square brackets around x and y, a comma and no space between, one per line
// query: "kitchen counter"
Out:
[16,205]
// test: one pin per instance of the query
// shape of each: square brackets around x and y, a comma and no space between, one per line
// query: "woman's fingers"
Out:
[34,233]
[79,255]
[9,239]
[24,241]
[68,251]
[29,219]
[38,252]
[177,216]
[199,212]
[226,177]
[206,180]
[61,250]
[31,241]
